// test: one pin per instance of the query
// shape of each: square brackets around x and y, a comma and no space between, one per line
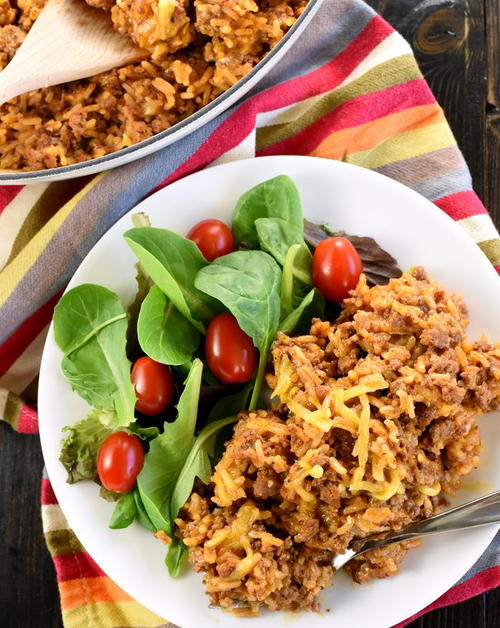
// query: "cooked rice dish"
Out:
[372,427]
[195,51]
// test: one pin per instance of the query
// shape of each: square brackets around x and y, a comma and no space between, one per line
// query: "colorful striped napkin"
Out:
[349,89]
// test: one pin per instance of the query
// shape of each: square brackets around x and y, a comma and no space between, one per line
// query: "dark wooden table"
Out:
[458,47]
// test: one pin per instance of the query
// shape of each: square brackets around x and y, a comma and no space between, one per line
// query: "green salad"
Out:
[167,376]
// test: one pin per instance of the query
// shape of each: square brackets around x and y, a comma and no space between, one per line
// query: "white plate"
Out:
[360,202]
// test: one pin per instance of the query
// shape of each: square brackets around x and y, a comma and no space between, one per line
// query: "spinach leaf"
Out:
[90,327]
[124,512]
[167,454]
[285,242]
[378,265]
[82,313]
[275,198]
[276,236]
[176,554]
[164,334]
[248,284]
[197,464]
[81,445]
[173,261]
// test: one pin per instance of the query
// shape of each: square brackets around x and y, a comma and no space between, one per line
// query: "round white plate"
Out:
[360,202]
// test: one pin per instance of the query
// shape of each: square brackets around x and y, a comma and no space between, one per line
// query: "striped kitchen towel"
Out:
[349,89]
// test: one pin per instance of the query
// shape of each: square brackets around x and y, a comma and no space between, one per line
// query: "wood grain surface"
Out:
[457,44]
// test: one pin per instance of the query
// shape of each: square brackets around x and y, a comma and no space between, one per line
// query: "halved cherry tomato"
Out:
[230,353]
[336,267]
[213,237]
[119,461]
[154,386]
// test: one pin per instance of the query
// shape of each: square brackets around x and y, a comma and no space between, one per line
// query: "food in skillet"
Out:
[371,423]
[196,51]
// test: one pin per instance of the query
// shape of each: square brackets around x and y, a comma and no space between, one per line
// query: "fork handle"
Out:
[479,512]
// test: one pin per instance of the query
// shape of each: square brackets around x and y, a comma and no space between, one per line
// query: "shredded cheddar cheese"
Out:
[166,10]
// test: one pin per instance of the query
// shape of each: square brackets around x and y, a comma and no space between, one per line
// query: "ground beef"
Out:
[373,426]
[11,37]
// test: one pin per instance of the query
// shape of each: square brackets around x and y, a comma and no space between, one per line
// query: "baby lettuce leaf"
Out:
[124,512]
[300,266]
[293,289]
[378,265]
[295,316]
[144,283]
[176,554]
[164,334]
[248,284]
[314,233]
[109,496]
[141,515]
[173,261]
[129,508]
[144,433]
[197,464]
[90,327]
[167,454]
[275,198]
[230,404]
[81,445]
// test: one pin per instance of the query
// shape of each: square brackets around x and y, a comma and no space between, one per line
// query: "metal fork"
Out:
[479,512]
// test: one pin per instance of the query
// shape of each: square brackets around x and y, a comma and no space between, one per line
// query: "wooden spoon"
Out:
[70,40]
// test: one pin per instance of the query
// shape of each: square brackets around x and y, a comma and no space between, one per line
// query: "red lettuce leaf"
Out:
[378,265]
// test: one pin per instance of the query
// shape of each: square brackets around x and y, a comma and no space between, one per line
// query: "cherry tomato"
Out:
[213,237]
[119,461]
[154,386]
[230,353]
[336,267]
